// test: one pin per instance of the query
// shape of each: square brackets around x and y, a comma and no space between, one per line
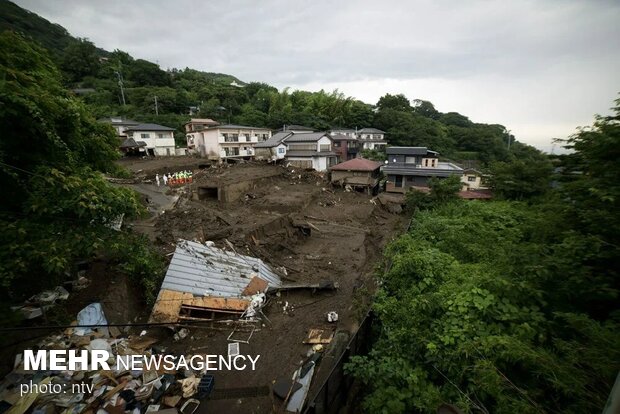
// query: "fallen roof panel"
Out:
[209,271]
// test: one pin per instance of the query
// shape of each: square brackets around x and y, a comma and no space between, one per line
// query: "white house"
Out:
[310,150]
[472,179]
[120,125]
[159,139]
[227,141]
[372,138]
[347,132]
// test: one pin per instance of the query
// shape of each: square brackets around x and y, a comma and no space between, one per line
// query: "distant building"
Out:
[199,124]
[345,146]
[310,150]
[409,167]
[120,125]
[274,148]
[226,141]
[349,132]
[472,179]
[359,173]
[132,147]
[371,138]
[158,139]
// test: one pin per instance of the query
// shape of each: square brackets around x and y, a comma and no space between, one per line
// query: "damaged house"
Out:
[204,283]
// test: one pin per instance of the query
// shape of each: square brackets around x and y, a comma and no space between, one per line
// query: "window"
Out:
[302,147]
[325,148]
[337,144]
[471,178]
[160,136]
[398,181]
[280,150]
[145,135]
[410,160]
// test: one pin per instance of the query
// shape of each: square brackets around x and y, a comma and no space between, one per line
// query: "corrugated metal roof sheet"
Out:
[209,271]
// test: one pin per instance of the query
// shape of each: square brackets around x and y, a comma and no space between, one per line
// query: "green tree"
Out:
[465,317]
[507,306]
[80,59]
[396,102]
[520,179]
[144,73]
[425,109]
[56,205]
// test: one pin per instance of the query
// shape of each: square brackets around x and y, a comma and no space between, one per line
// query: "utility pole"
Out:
[120,83]
[156,107]
[508,131]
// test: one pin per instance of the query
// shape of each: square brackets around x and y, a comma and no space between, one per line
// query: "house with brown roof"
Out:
[358,173]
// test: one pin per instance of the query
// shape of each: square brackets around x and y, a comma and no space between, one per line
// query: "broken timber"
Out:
[323,285]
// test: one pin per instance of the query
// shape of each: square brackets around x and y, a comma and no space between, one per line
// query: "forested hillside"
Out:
[56,205]
[213,95]
[506,306]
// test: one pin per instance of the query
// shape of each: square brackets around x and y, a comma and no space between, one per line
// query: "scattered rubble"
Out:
[318,241]
[103,392]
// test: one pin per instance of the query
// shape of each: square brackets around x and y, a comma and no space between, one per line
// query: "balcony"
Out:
[236,152]
[237,139]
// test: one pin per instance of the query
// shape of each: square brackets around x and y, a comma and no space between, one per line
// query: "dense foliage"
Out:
[56,206]
[507,306]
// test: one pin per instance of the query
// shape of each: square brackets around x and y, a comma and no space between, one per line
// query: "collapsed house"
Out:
[205,283]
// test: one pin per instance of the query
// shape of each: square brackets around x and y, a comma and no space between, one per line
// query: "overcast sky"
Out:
[540,68]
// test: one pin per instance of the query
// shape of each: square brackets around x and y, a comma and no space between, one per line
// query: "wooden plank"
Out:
[167,306]
[169,302]
[319,336]
[215,303]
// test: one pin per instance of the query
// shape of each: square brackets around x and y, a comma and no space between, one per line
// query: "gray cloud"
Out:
[534,64]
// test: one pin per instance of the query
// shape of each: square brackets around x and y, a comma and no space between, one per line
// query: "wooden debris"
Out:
[319,336]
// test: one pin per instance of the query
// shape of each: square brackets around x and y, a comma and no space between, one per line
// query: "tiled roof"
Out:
[275,140]
[357,164]
[149,127]
[370,131]
[342,137]
[306,137]
[131,143]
